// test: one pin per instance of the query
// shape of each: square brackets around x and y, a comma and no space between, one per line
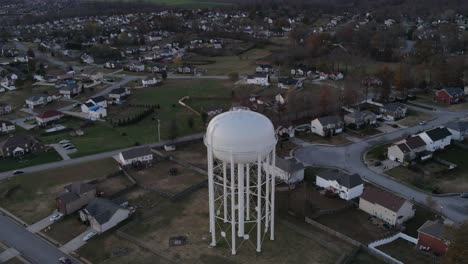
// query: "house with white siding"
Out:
[288,170]
[104,214]
[386,206]
[437,138]
[408,149]
[327,126]
[458,129]
[262,79]
[346,186]
[6,127]
[137,155]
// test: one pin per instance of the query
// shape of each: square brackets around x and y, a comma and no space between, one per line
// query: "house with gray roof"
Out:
[360,118]
[20,145]
[104,214]
[458,129]
[75,196]
[327,126]
[393,111]
[437,138]
[142,155]
[346,186]
[288,170]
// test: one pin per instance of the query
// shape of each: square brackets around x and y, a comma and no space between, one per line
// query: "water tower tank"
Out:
[245,134]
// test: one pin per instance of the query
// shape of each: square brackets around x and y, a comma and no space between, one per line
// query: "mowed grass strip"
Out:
[31,196]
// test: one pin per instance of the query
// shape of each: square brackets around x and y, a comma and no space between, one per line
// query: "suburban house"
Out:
[288,83]
[451,95]
[104,214]
[97,112]
[437,138]
[459,130]
[6,127]
[98,100]
[157,68]
[75,196]
[48,116]
[347,186]
[386,206]
[393,111]
[327,126]
[435,236]
[301,71]
[264,68]
[150,82]
[15,146]
[408,150]
[85,58]
[38,100]
[186,69]
[119,93]
[71,90]
[5,109]
[288,170]
[95,76]
[133,156]
[360,118]
[262,79]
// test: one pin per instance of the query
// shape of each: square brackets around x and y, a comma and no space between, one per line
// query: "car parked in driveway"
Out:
[55,217]
[464,195]
[89,235]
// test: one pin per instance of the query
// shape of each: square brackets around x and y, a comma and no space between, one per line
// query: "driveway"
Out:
[75,243]
[8,254]
[350,158]
[61,151]
[30,246]
[41,224]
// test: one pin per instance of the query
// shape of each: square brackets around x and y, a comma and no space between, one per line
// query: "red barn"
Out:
[449,95]
[434,235]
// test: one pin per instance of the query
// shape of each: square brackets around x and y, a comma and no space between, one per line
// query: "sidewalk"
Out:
[76,242]
[41,224]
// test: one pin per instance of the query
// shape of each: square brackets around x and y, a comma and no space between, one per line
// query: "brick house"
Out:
[452,95]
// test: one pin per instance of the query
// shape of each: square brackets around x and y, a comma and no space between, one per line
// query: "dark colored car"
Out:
[64,260]
[18,172]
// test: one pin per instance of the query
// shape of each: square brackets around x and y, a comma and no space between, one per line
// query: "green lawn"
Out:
[332,140]
[378,153]
[363,257]
[29,160]
[411,177]
[414,117]
[31,196]
[244,64]
[420,217]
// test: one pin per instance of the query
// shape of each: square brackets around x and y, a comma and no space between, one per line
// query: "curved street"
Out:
[350,158]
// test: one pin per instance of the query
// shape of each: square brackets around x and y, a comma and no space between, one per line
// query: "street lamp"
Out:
[159,130]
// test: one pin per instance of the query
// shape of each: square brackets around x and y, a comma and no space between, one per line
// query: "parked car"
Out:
[66,145]
[55,217]
[64,260]
[64,141]
[422,123]
[18,172]
[70,148]
[89,236]
[464,195]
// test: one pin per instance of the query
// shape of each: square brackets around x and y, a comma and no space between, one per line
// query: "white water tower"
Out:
[241,151]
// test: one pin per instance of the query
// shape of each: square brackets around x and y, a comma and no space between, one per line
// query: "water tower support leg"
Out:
[233,209]
[241,196]
[225,193]
[273,182]
[247,206]
[267,195]
[259,204]
[211,197]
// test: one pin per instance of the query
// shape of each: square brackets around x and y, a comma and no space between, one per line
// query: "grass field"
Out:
[29,160]
[414,117]
[66,229]
[455,180]
[33,197]
[364,258]
[174,3]
[406,252]
[188,217]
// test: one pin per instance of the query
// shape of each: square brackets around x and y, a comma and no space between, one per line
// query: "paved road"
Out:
[350,158]
[31,247]
[103,155]
[39,55]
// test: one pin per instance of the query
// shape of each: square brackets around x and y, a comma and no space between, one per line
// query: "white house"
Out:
[119,93]
[386,206]
[437,138]
[150,82]
[98,100]
[261,79]
[287,83]
[97,112]
[6,127]
[288,170]
[459,130]
[327,126]
[104,214]
[408,149]
[264,68]
[347,186]
[38,100]
[85,58]
[138,155]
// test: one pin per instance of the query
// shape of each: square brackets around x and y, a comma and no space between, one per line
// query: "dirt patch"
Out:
[193,153]
[159,177]
[113,185]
